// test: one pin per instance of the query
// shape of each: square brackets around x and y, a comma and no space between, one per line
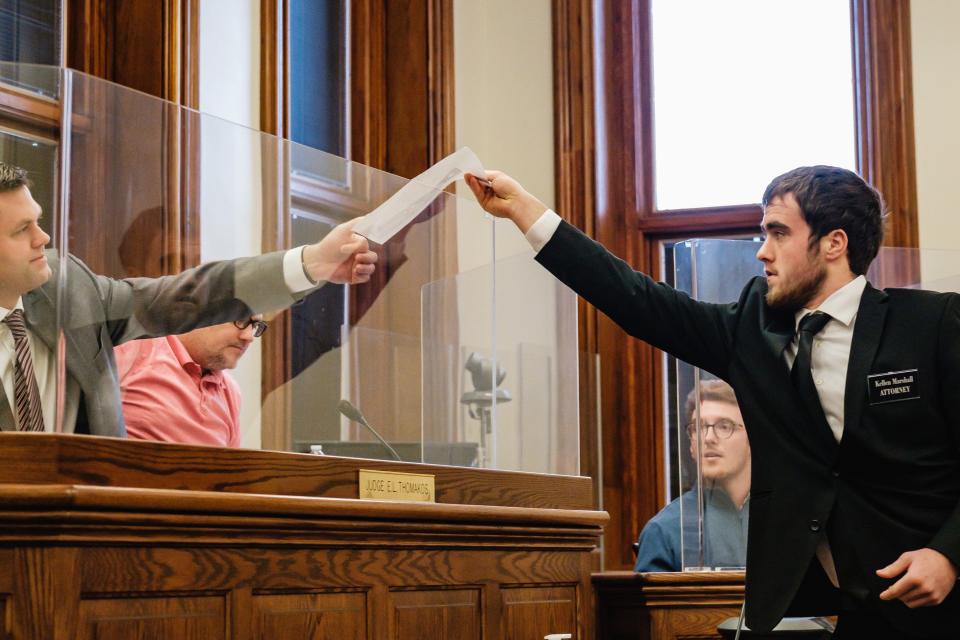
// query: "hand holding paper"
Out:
[502,196]
[341,256]
[403,206]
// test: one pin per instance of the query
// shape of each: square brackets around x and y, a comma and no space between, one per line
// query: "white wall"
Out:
[936,104]
[230,159]
[503,65]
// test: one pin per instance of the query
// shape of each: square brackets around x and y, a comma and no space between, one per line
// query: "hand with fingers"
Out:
[503,197]
[926,578]
[341,256]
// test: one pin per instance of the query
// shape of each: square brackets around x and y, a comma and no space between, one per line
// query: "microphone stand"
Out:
[350,412]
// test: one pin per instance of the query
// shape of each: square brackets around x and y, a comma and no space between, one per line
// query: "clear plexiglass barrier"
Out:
[183,308]
[709,452]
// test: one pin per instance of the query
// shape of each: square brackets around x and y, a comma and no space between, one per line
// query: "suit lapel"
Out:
[778,330]
[812,431]
[41,317]
[863,349]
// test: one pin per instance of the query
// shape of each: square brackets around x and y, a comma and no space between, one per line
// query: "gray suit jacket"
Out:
[98,313]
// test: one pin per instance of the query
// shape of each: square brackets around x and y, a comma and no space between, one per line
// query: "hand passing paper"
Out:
[407,203]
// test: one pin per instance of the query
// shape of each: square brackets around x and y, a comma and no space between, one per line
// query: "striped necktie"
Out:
[25,391]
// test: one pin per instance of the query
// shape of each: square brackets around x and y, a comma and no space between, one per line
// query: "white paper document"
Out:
[406,204]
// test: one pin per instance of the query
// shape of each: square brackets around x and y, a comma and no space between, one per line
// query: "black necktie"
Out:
[800,374]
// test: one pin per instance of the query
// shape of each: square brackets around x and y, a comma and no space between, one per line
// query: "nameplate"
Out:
[393,485]
[893,386]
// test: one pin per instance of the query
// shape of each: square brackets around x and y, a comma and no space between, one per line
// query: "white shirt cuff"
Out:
[293,273]
[543,229]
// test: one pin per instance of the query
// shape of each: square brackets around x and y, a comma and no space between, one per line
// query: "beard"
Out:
[794,295]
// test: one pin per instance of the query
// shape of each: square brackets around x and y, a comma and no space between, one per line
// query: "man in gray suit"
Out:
[98,312]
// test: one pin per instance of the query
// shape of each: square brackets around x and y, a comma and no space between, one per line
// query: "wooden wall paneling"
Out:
[885,134]
[368,83]
[46,592]
[243,615]
[665,606]
[152,47]
[7,564]
[534,612]
[186,616]
[309,615]
[435,613]
[142,54]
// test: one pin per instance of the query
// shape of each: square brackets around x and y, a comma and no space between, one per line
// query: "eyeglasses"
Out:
[723,428]
[259,326]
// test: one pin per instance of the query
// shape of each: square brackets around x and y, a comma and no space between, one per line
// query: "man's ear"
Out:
[833,246]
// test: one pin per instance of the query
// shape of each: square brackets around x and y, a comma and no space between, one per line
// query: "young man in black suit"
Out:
[847,394]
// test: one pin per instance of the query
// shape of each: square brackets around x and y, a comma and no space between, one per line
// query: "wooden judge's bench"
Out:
[665,606]
[121,539]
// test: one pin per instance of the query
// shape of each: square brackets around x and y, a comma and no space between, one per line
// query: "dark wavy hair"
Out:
[12,177]
[833,198]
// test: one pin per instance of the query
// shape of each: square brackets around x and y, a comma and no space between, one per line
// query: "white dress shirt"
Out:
[829,358]
[831,349]
[44,360]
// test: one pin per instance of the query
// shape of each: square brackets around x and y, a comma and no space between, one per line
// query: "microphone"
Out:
[350,412]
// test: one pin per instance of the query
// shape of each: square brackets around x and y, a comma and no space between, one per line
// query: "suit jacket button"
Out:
[836,474]
[814,525]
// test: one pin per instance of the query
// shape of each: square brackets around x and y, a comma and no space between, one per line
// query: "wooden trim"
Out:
[440,122]
[574,167]
[368,83]
[88,33]
[678,221]
[630,457]
[886,154]
[172,41]
[57,459]
[29,112]
[276,345]
[274,68]
[190,54]
[94,507]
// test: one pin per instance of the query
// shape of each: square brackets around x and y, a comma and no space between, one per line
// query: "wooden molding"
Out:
[26,111]
[56,459]
[368,83]
[274,68]
[275,176]
[574,167]
[670,589]
[129,515]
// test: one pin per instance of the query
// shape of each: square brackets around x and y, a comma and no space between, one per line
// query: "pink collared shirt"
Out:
[167,397]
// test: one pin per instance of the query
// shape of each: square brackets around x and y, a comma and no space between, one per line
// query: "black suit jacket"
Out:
[891,485]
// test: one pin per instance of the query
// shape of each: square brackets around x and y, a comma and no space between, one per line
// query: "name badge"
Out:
[893,386]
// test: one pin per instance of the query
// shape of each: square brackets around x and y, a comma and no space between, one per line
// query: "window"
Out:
[744,91]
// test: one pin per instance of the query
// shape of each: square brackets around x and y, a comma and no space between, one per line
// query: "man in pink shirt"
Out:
[176,389]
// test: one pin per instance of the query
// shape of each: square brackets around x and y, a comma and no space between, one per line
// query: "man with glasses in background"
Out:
[176,388]
[724,453]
